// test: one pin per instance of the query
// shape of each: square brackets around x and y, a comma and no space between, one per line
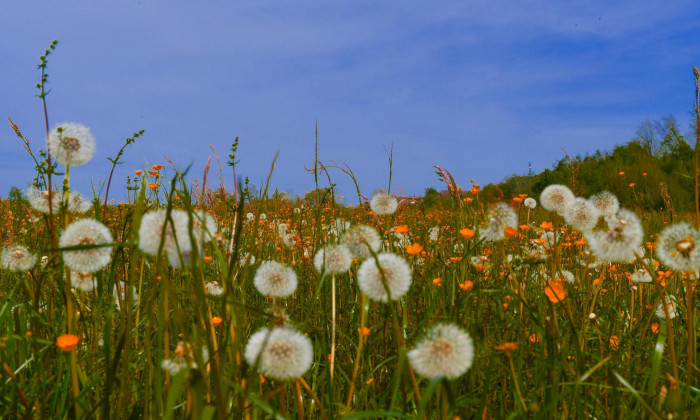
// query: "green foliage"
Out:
[632,171]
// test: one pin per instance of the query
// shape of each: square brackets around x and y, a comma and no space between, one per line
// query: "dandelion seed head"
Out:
[530,203]
[678,247]
[82,281]
[359,238]
[274,279]
[42,201]
[213,288]
[622,239]
[500,216]
[86,232]
[333,259]
[17,258]
[581,214]
[383,204]
[556,198]
[606,203]
[281,353]
[73,145]
[446,350]
[77,203]
[641,276]
[396,271]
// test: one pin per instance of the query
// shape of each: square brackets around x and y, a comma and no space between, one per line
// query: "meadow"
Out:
[191,300]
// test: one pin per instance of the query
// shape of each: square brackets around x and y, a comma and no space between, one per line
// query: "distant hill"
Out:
[650,172]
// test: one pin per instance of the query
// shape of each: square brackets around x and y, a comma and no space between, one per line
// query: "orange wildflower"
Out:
[403,229]
[534,338]
[437,281]
[632,184]
[139,172]
[510,231]
[207,259]
[154,173]
[555,291]
[455,259]
[467,285]
[524,227]
[67,342]
[468,199]
[369,381]
[414,249]
[153,186]
[364,331]
[262,379]
[479,267]
[621,173]
[467,233]
[655,327]
[547,225]
[217,320]
[157,167]
[614,342]
[508,346]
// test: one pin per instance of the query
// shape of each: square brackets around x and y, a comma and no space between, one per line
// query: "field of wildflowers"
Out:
[192,301]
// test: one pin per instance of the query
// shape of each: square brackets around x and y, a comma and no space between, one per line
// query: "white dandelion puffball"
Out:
[71,144]
[396,271]
[86,232]
[530,203]
[250,216]
[500,216]
[678,247]
[333,259]
[290,239]
[77,203]
[581,214]
[42,201]
[606,203]
[641,276]
[383,204]
[121,295]
[359,238]
[246,259]
[82,281]
[672,306]
[204,227]
[17,258]
[556,198]
[213,288]
[281,353]
[446,350]
[274,279]
[154,225]
[434,233]
[622,239]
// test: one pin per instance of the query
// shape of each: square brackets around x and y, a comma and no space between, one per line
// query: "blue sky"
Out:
[480,88]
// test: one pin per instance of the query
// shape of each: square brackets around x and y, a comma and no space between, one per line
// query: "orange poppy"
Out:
[508,346]
[402,230]
[157,167]
[67,342]
[555,291]
[467,285]
[510,231]
[467,233]
[139,172]
[153,186]
[414,249]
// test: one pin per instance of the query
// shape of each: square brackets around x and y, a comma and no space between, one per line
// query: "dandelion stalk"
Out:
[333,326]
